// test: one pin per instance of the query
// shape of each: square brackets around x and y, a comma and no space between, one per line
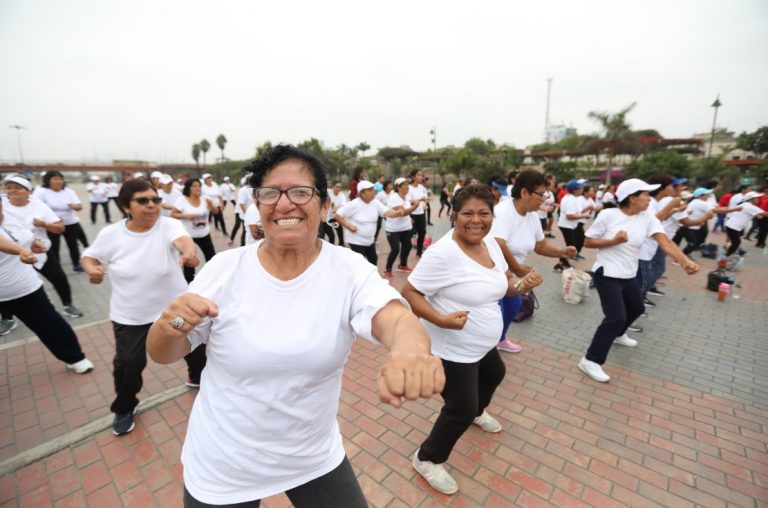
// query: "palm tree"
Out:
[221,141]
[363,147]
[196,153]
[616,129]
[204,147]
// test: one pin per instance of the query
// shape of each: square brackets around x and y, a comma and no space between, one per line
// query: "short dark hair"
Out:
[281,153]
[663,179]
[130,188]
[357,173]
[188,185]
[50,174]
[528,180]
[473,191]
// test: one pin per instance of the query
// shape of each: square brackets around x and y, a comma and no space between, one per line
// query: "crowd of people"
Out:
[289,298]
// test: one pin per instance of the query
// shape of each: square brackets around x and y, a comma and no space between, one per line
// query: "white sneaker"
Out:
[436,475]
[81,367]
[488,423]
[624,340]
[593,370]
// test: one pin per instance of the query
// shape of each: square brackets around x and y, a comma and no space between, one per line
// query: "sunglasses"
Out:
[145,201]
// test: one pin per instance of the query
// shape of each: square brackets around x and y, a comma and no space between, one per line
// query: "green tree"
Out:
[669,162]
[756,142]
[363,147]
[196,154]
[204,147]
[616,129]
[221,141]
[263,148]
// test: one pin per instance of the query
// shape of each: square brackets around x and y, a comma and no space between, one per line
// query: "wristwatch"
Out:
[517,285]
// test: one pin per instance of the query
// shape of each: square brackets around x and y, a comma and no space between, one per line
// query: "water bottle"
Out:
[736,290]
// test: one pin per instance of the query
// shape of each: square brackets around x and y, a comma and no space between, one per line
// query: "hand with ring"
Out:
[186,312]
[177,322]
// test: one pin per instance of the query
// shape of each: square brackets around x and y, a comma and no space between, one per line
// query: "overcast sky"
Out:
[100,80]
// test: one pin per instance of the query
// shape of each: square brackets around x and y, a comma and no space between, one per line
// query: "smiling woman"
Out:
[279,317]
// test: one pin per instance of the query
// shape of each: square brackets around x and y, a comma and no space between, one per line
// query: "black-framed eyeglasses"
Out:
[540,194]
[144,201]
[297,195]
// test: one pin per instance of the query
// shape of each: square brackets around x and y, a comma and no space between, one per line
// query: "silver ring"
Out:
[177,322]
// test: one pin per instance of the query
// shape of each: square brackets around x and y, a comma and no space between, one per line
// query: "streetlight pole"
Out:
[18,139]
[715,105]
[433,133]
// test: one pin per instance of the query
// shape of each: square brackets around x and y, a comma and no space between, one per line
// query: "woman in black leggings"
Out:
[398,229]
[192,210]
[417,194]
[445,199]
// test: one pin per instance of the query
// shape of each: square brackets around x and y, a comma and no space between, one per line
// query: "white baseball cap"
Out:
[751,195]
[155,174]
[95,177]
[205,175]
[629,187]
[398,182]
[19,180]
[364,184]
[165,179]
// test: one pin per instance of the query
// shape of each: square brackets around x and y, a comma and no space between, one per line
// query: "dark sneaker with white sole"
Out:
[123,422]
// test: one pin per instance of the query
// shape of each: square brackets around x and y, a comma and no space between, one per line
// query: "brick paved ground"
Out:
[682,423]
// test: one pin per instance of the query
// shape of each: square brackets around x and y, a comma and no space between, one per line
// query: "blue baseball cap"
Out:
[501,188]
[701,191]
[574,184]
[678,181]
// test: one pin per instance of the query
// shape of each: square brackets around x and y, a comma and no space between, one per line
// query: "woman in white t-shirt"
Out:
[141,256]
[359,218]
[64,203]
[455,289]
[212,193]
[253,223]
[41,220]
[192,209]
[113,189]
[701,206]
[618,235]
[279,318]
[244,200]
[22,295]
[331,227]
[735,222]
[417,194]
[383,197]
[398,229]
[572,211]
[516,224]
[227,192]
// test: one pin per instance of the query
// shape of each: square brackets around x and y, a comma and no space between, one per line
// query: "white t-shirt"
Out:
[621,261]
[198,227]
[143,269]
[452,281]
[59,202]
[244,198]
[584,203]
[415,193]
[608,197]
[112,189]
[698,208]
[252,217]
[17,279]
[521,232]
[549,200]
[673,221]
[650,245]
[735,201]
[363,216]
[570,205]
[337,201]
[397,224]
[265,418]
[737,220]
[227,191]
[97,192]
[35,209]
[169,198]
[212,192]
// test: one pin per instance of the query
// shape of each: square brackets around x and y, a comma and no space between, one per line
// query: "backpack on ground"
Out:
[575,285]
[708,250]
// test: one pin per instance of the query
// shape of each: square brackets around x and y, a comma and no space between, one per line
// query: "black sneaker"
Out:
[71,311]
[648,303]
[636,329]
[655,292]
[192,383]
[123,422]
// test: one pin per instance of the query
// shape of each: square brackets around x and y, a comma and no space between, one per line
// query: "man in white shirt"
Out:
[97,192]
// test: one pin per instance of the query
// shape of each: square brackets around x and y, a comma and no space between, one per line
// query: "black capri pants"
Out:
[206,245]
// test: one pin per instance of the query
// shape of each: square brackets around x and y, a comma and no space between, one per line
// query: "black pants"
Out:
[218,221]
[335,489]
[693,238]
[131,359]
[52,271]
[469,388]
[379,222]
[332,227]
[368,251]
[238,223]
[753,228]
[36,311]
[399,243]
[206,245]
[444,203]
[71,234]
[735,238]
[622,303]
[105,206]
[573,238]
[762,231]
[420,228]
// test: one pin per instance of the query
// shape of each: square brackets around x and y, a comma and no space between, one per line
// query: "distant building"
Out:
[556,133]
